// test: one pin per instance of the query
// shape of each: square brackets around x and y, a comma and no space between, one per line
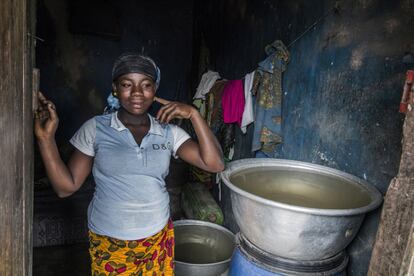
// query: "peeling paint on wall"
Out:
[357,57]
[337,36]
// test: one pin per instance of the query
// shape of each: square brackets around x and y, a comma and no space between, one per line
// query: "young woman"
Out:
[128,152]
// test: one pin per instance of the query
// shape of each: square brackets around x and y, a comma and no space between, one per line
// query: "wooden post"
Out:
[393,250]
[407,265]
[16,138]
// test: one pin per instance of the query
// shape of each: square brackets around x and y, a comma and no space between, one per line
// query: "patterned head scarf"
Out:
[136,63]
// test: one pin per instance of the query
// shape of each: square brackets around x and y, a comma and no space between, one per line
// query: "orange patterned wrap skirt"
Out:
[152,256]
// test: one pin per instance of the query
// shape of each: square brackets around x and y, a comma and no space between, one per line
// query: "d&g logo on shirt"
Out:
[162,146]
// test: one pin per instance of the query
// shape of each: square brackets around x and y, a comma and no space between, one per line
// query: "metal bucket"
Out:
[297,210]
[202,248]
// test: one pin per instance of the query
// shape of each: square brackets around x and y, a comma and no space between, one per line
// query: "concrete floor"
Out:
[67,260]
[61,260]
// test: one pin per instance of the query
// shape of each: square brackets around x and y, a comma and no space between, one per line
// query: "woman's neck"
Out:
[131,119]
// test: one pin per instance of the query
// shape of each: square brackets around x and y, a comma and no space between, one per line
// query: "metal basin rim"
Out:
[242,164]
[191,222]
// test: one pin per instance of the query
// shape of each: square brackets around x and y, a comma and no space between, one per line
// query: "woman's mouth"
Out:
[137,104]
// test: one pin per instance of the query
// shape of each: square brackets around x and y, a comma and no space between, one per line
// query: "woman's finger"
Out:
[52,111]
[36,115]
[172,115]
[44,103]
[40,96]
[164,111]
[172,108]
[161,101]
[42,106]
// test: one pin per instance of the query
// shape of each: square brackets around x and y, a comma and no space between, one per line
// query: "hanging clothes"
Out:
[267,88]
[201,106]
[213,98]
[207,81]
[233,102]
[248,113]
[223,132]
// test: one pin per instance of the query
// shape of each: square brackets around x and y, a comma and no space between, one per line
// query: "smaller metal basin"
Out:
[202,248]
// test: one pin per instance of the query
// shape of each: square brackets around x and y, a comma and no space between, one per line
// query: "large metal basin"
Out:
[202,248]
[297,210]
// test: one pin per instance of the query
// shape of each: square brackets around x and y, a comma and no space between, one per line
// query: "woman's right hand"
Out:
[46,119]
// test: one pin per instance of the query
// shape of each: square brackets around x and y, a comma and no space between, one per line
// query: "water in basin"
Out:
[301,188]
[202,245]
[197,253]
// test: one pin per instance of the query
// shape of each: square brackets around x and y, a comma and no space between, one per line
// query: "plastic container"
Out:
[248,260]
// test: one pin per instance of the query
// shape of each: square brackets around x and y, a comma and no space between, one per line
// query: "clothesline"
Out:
[336,9]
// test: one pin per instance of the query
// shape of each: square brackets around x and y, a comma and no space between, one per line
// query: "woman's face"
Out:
[135,92]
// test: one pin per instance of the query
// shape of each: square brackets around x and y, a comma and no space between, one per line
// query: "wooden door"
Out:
[16,136]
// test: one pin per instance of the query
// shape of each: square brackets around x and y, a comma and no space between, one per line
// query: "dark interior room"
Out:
[330,87]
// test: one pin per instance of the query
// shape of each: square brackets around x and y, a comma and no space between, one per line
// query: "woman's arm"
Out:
[206,154]
[65,179]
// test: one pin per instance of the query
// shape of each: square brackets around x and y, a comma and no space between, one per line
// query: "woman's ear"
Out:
[114,92]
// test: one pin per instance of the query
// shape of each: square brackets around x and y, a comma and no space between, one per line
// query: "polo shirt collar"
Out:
[155,127]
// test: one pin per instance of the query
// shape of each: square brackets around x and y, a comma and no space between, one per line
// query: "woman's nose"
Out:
[136,89]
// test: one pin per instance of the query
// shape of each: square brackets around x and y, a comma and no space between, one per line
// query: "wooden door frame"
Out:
[393,252]
[17,25]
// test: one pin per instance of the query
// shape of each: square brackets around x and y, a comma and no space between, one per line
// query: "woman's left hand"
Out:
[206,153]
[173,110]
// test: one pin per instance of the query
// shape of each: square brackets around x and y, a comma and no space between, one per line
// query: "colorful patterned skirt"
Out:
[150,256]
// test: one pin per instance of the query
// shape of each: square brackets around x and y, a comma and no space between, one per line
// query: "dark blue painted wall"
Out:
[342,87]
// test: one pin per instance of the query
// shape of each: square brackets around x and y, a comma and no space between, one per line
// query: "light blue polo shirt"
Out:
[130,200]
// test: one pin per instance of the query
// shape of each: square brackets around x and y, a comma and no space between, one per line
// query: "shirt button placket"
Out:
[144,156]
[138,151]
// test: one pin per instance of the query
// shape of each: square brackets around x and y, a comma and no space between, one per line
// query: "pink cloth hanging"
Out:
[232,102]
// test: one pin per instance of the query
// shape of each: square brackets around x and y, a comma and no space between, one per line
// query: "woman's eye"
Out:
[125,85]
[147,85]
